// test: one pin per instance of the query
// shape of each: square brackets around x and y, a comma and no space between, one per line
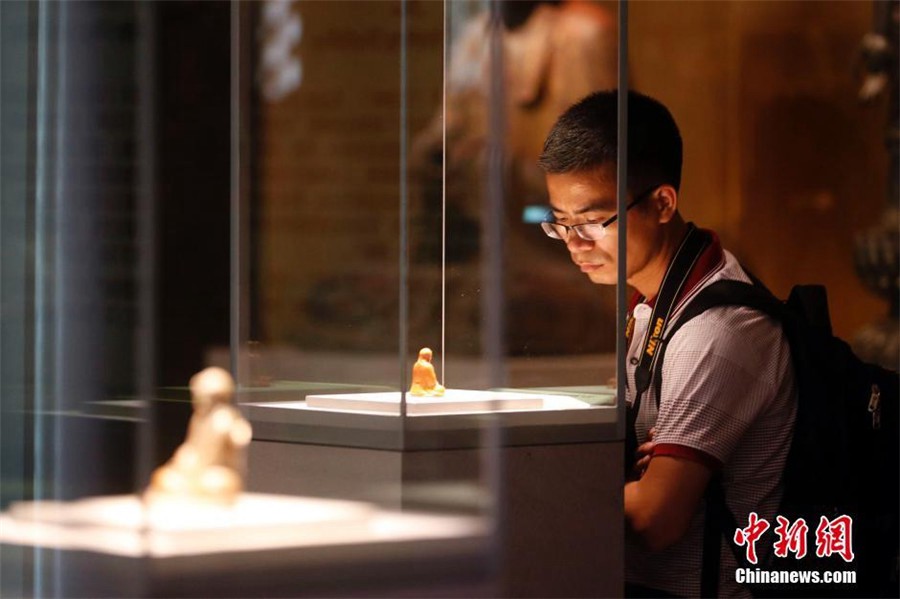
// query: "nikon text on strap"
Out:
[679,271]
[690,250]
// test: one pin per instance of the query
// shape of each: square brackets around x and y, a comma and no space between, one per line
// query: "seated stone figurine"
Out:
[424,380]
[209,465]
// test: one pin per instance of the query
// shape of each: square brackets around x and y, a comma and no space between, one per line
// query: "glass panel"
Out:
[341,299]
[326,198]
[127,221]
[521,320]
[519,313]
[77,243]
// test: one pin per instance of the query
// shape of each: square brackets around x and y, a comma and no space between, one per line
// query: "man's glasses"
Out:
[590,231]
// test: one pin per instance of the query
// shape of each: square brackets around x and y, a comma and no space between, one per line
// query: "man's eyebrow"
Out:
[595,206]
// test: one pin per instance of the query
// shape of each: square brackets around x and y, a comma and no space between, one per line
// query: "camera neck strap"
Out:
[692,247]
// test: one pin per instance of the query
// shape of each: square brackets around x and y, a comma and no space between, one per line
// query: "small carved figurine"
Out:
[209,465]
[424,379]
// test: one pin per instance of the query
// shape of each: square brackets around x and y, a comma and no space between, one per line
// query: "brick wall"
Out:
[329,183]
[329,205]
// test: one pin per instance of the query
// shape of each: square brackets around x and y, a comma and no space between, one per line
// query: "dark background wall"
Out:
[780,156]
[193,183]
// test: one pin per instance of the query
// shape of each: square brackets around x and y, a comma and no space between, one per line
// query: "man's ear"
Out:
[665,201]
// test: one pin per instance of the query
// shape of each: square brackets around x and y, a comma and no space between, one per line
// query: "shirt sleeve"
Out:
[720,372]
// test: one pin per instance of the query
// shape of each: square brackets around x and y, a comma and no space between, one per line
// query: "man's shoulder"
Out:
[746,327]
[730,270]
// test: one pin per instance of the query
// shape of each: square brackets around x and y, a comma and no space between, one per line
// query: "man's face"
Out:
[590,197]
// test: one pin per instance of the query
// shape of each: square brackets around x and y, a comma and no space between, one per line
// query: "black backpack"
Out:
[843,458]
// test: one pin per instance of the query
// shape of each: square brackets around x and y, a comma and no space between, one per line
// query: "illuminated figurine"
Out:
[424,379]
[209,465]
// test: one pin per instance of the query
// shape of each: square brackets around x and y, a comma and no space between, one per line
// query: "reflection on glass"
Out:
[327,257]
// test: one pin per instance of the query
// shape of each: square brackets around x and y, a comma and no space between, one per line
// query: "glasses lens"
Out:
[553,230]
[591,231]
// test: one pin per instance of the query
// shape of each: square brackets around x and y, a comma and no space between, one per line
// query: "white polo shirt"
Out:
[728,401]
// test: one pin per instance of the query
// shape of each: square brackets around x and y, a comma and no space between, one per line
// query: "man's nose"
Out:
[576,244]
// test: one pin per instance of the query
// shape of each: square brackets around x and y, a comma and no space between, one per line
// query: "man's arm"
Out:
[659,507]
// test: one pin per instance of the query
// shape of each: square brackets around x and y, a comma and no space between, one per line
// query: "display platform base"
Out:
[453,401]
[265,545]
[455,421]
[561,501]
[126,525]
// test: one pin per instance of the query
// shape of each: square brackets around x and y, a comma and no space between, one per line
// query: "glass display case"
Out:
[390,201]
[305,195]
[391,209]
[113,227]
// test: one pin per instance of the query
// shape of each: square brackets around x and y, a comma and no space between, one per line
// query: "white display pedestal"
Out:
[453,401]
[265,545]
[559,478]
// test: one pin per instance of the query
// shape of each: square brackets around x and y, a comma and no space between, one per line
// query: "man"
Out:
[727,399]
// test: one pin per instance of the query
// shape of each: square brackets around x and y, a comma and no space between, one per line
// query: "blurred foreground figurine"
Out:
[209,465]
[424,380]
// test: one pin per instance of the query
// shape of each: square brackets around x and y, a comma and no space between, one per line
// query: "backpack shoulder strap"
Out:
[730,293]
[720,293]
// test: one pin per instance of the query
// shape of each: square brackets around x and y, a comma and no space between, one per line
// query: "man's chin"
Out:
[602,277]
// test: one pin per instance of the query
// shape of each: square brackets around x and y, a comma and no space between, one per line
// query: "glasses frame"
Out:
[550,226]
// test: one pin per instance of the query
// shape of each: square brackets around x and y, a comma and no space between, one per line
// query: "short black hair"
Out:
[585,137]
